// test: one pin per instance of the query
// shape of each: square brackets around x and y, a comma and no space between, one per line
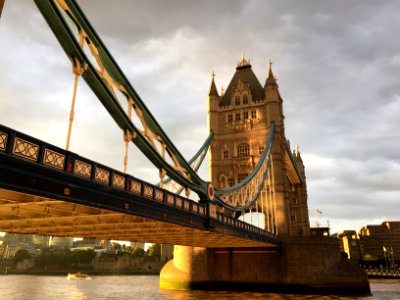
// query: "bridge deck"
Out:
[46,190]
[23,213]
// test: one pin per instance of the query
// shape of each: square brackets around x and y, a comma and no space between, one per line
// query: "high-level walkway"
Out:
[49,191]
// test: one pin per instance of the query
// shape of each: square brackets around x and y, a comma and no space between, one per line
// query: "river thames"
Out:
[146,287]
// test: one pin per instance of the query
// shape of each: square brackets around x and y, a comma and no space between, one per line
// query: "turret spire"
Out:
[213,89]
[243,62]
[271,80]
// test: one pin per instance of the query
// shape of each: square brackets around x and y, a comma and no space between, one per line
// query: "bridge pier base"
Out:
[310,265]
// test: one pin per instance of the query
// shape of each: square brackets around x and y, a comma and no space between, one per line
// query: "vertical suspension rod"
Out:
[77,70]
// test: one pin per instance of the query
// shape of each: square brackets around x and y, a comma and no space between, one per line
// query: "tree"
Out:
[137,252]
[154,250]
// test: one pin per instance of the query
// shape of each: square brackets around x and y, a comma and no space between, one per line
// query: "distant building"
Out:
[61,242]
[138,244]
[31,243]
[167,252]
[105,244]
[90,243]
[320,231]
[381,241]
[350,244]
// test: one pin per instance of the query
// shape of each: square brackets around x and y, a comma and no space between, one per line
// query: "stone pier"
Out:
[310,265]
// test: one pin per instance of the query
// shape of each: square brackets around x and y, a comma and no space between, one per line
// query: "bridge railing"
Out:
[233,222]
[18,146]
[22,146]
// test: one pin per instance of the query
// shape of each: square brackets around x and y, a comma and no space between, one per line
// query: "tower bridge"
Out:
[51,191]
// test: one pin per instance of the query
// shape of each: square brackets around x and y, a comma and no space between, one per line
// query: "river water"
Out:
[27,287]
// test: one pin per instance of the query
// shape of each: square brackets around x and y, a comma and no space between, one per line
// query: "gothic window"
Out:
[231,181]
[230,118]
[299,230]
[245,99]
[237,117]
[243,150]
[245,115]
[225,154]
[293,216]
[294,200]
[254,114]
[260,150]
[242,176]
[237,100]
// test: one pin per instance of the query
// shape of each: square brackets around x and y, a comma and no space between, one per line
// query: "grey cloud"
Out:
[337,64]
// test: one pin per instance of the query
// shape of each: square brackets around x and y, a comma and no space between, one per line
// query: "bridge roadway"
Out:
[49,191]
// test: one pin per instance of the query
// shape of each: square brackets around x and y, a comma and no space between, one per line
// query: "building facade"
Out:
[381,241]
[349,243]
[240,119]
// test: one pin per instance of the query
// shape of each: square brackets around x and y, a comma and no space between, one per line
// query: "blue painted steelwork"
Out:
[182,173]
[200,154]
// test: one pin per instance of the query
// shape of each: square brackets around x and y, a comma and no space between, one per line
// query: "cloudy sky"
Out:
[337,64]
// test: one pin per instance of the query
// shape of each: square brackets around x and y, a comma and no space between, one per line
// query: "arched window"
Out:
[243,150]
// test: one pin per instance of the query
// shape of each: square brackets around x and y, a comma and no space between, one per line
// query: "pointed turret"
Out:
[213,100]
[213,88]
[271,80]
[246,76]
[243,62]
[298,156]
[273,99]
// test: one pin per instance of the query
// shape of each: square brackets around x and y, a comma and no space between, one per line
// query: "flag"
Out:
[318,211]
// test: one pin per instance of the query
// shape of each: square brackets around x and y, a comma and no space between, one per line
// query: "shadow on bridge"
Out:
[49,191]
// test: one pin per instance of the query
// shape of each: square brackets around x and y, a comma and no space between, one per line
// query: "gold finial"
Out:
[243,61]
[212,75]
[297,150]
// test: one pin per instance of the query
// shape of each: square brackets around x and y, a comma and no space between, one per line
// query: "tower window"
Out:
[243,150]
[245,99]
[237,117]
[260,150]
[230,118]
[225,154]
[237,100]
[245,115]
[231,181]
[254,114]
[293,217]
[242,176]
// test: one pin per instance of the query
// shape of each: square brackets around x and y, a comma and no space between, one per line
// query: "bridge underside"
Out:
[29,214]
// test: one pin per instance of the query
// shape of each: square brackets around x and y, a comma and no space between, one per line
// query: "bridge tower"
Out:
[240,118]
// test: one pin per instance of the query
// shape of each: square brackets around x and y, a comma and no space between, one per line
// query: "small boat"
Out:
[78,275]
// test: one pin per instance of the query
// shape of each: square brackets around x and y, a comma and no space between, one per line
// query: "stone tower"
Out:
[240,119]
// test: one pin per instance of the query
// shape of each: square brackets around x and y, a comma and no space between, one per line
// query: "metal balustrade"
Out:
[20,146]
